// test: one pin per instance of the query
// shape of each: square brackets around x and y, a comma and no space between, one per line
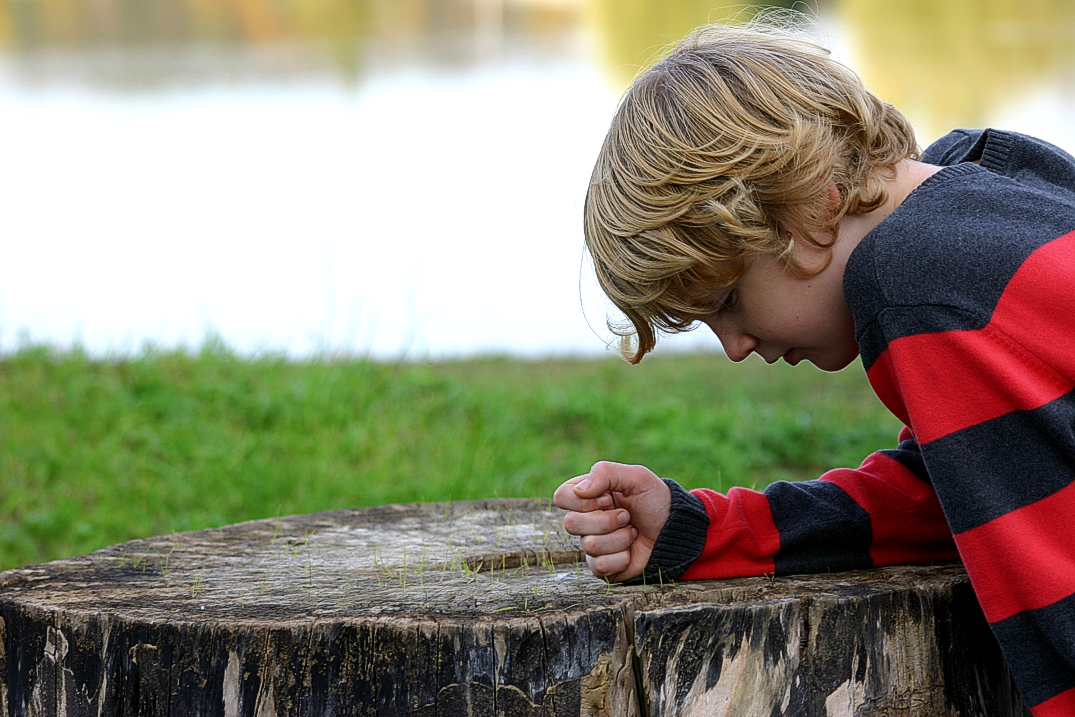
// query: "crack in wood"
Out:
[479,609]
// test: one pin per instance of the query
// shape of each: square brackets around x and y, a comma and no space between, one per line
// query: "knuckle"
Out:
[612,519]
[603,468]
[607,564]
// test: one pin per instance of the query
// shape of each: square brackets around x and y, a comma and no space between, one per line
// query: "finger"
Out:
[593,484]
[609,477]
[567,498]
[605,566]
[615,542]
[597,522]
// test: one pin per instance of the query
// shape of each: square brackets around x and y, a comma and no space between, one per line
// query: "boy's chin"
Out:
[829,363]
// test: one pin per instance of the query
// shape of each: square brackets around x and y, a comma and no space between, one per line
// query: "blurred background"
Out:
[263,257]
[389,178]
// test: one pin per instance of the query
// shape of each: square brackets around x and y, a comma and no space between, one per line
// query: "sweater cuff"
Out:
[682,539]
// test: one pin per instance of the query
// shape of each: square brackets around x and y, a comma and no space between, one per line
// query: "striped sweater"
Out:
[964,308]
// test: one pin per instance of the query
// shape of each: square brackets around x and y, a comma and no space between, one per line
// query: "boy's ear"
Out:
[834,196]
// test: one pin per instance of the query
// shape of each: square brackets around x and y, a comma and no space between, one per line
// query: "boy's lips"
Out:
[791,358]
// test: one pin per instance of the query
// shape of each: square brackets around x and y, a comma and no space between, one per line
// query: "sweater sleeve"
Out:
[882,513]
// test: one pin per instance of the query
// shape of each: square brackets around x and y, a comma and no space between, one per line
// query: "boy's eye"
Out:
[727,302]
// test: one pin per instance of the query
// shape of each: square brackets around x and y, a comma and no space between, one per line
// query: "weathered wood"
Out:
[475,609]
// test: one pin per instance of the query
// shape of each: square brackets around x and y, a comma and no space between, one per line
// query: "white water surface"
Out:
[423,210]
[420,215]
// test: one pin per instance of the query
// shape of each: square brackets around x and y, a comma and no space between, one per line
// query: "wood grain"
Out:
[480,609]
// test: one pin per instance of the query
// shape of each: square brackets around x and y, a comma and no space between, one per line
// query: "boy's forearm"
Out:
[881,513]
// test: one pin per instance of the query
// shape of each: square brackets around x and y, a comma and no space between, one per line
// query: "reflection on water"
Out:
[952,63]
[139,43]
[632,32]
[428,204]
[960,63]
[388,175]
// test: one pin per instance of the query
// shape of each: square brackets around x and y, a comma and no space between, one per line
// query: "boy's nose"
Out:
[738,350]
[737,345]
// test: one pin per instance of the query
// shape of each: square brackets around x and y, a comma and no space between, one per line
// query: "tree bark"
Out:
[479,610]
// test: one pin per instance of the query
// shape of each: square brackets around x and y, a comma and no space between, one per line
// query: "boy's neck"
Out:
[909,175]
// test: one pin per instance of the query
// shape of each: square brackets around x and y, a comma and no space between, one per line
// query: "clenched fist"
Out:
[618,510]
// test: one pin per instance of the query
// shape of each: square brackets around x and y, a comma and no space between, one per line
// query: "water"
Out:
[395,178]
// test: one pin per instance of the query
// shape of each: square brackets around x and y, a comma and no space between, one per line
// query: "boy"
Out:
[750,183]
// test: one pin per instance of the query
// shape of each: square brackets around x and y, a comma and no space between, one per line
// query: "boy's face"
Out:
[771,312]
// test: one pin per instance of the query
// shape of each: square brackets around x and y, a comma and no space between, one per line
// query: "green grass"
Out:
[97,452]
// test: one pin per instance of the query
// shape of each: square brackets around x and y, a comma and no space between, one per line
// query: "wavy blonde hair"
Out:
[724,149]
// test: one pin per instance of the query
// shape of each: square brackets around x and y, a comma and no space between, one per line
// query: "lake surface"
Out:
[394,178]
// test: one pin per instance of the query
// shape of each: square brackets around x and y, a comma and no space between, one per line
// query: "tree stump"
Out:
[474,609]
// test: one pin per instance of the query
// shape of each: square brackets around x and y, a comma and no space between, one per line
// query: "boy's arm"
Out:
[883,513]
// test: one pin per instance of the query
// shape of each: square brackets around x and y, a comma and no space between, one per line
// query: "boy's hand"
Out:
[619,511]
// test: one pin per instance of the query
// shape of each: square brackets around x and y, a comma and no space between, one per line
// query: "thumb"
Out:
[606,476]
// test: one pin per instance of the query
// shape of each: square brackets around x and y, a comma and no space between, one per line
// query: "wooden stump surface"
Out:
[475,609]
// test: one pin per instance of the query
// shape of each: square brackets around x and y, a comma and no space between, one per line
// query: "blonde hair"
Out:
[725,148]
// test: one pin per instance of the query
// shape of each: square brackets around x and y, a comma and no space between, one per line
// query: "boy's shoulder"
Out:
[1029,160]
[956,241]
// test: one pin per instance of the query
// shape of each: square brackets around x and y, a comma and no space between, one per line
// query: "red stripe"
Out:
[1024,560]
[1063,705]
[742,539]
[955,379]
[882,377]
[1037,308]
[905,516]
[943,382]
